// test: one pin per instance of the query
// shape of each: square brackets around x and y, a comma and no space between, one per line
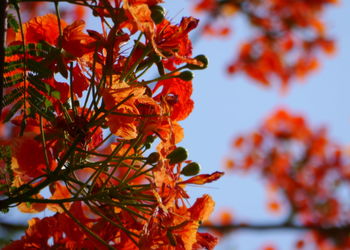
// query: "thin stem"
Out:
[102,142]
[71,89]
[114,152]
[121,160]
[92,81]
[97,122]
[3,7]
[129,233]
[12,226]
[24,69]
[163,77]
[43,141]
[114,157]
[85,228]
[58,23]
[135,64]
[122,77]
[59,201]
[54,176]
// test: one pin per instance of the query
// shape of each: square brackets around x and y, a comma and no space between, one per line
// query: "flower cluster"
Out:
[305,169]
[287,40]
[81,117]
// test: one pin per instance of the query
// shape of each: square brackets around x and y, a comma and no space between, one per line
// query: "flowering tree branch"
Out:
[284,226]
[97,181]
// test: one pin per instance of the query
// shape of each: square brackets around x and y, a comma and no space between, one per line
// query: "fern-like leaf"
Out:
[11,97]
[25,73]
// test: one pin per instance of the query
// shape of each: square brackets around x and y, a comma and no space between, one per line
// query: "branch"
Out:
[12,227]
[284,226]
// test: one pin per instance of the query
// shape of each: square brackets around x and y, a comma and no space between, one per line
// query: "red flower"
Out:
[176,93]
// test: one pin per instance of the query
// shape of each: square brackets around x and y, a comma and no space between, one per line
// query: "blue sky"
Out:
[226,106]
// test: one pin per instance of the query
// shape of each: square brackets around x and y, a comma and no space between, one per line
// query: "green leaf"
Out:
[37,91]
[12,22]
[56,94]
[13,80]
[42,49]
[12,66]
[47,103]
[39,69]
[14,109]
[14,50]
[38,84]
[12,96]
[37,108]
[33,93]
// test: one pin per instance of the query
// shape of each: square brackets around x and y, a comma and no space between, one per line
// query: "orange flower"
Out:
[122,99]
[300,161]
[43,28]
[58,192]
[287,40]
[80,81]
[29,154]
[180,227]
[74,41]
[139,17]
[269,247]
[202,208]
[203,178]
[274,207]
[173,41]
[284,125]
[28,207]
[226,218]
[176,93]
[63,231]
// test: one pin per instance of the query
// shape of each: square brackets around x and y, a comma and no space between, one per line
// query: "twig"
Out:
[12,226]
[3,7]
[283,226]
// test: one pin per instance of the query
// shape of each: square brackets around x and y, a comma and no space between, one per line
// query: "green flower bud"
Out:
[203,59]
[147,145]
[177,155]
[157,14]
[150,139]
[155,58]
[190,169]
[153,158]
[186,75]
[104,125]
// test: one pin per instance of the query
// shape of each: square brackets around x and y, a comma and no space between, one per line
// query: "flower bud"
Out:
[186,75]
[157,14]
[104,125]
[201,58]
[177,155]
[147,145]
[150,139]
[190,169]
[155,58]
[153,158]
